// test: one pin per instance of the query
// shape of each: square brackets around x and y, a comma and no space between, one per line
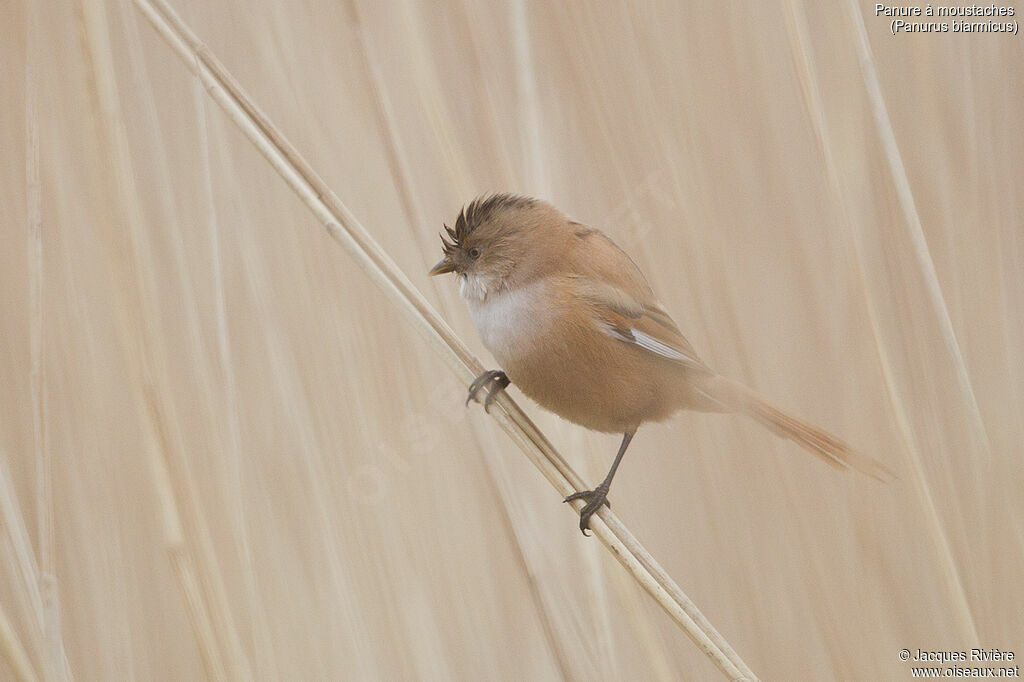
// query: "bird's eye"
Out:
[474,252]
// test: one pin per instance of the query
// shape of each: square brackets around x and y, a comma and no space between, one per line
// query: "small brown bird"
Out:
[575,325]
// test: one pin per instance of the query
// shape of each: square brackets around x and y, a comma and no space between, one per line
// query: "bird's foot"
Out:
[494,380]
[595,498]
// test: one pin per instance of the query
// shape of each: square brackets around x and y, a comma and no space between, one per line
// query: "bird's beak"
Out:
[446,265]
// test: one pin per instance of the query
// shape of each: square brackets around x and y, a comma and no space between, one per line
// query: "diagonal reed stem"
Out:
[346,229]
[13,651]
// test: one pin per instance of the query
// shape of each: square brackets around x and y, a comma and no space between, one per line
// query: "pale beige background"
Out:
[238,425]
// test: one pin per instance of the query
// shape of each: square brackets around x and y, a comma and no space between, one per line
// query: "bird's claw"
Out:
[595,498]
[494,380]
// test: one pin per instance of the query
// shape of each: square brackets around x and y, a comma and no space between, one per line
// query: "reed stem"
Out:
[346,229]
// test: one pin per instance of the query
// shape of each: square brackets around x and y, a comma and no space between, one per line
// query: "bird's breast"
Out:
[549,344]
[510,322]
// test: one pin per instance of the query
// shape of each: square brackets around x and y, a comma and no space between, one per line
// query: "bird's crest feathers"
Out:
[477,212]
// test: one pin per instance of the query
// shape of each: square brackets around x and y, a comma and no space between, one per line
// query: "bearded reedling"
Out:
[575,325]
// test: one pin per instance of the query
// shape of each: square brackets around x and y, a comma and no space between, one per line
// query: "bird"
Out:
[576,327]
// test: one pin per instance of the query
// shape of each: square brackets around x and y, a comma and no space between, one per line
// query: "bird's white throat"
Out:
[476,288]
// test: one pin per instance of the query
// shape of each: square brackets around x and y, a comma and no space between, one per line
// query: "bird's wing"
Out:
[637,322]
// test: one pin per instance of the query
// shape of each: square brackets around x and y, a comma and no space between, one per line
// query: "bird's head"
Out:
[494,238]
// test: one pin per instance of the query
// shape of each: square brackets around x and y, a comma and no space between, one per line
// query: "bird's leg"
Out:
[495,380]
[599,495]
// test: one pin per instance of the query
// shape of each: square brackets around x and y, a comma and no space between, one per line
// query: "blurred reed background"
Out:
[224,454]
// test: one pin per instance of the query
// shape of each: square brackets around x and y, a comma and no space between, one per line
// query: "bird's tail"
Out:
[738,398]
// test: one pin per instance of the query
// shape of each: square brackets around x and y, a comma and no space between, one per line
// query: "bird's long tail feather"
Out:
[738,398]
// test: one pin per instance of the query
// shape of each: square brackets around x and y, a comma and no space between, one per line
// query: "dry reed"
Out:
[186,536]
[54,661]
[345,229]
[16,552]
[14,651]
[804,62]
